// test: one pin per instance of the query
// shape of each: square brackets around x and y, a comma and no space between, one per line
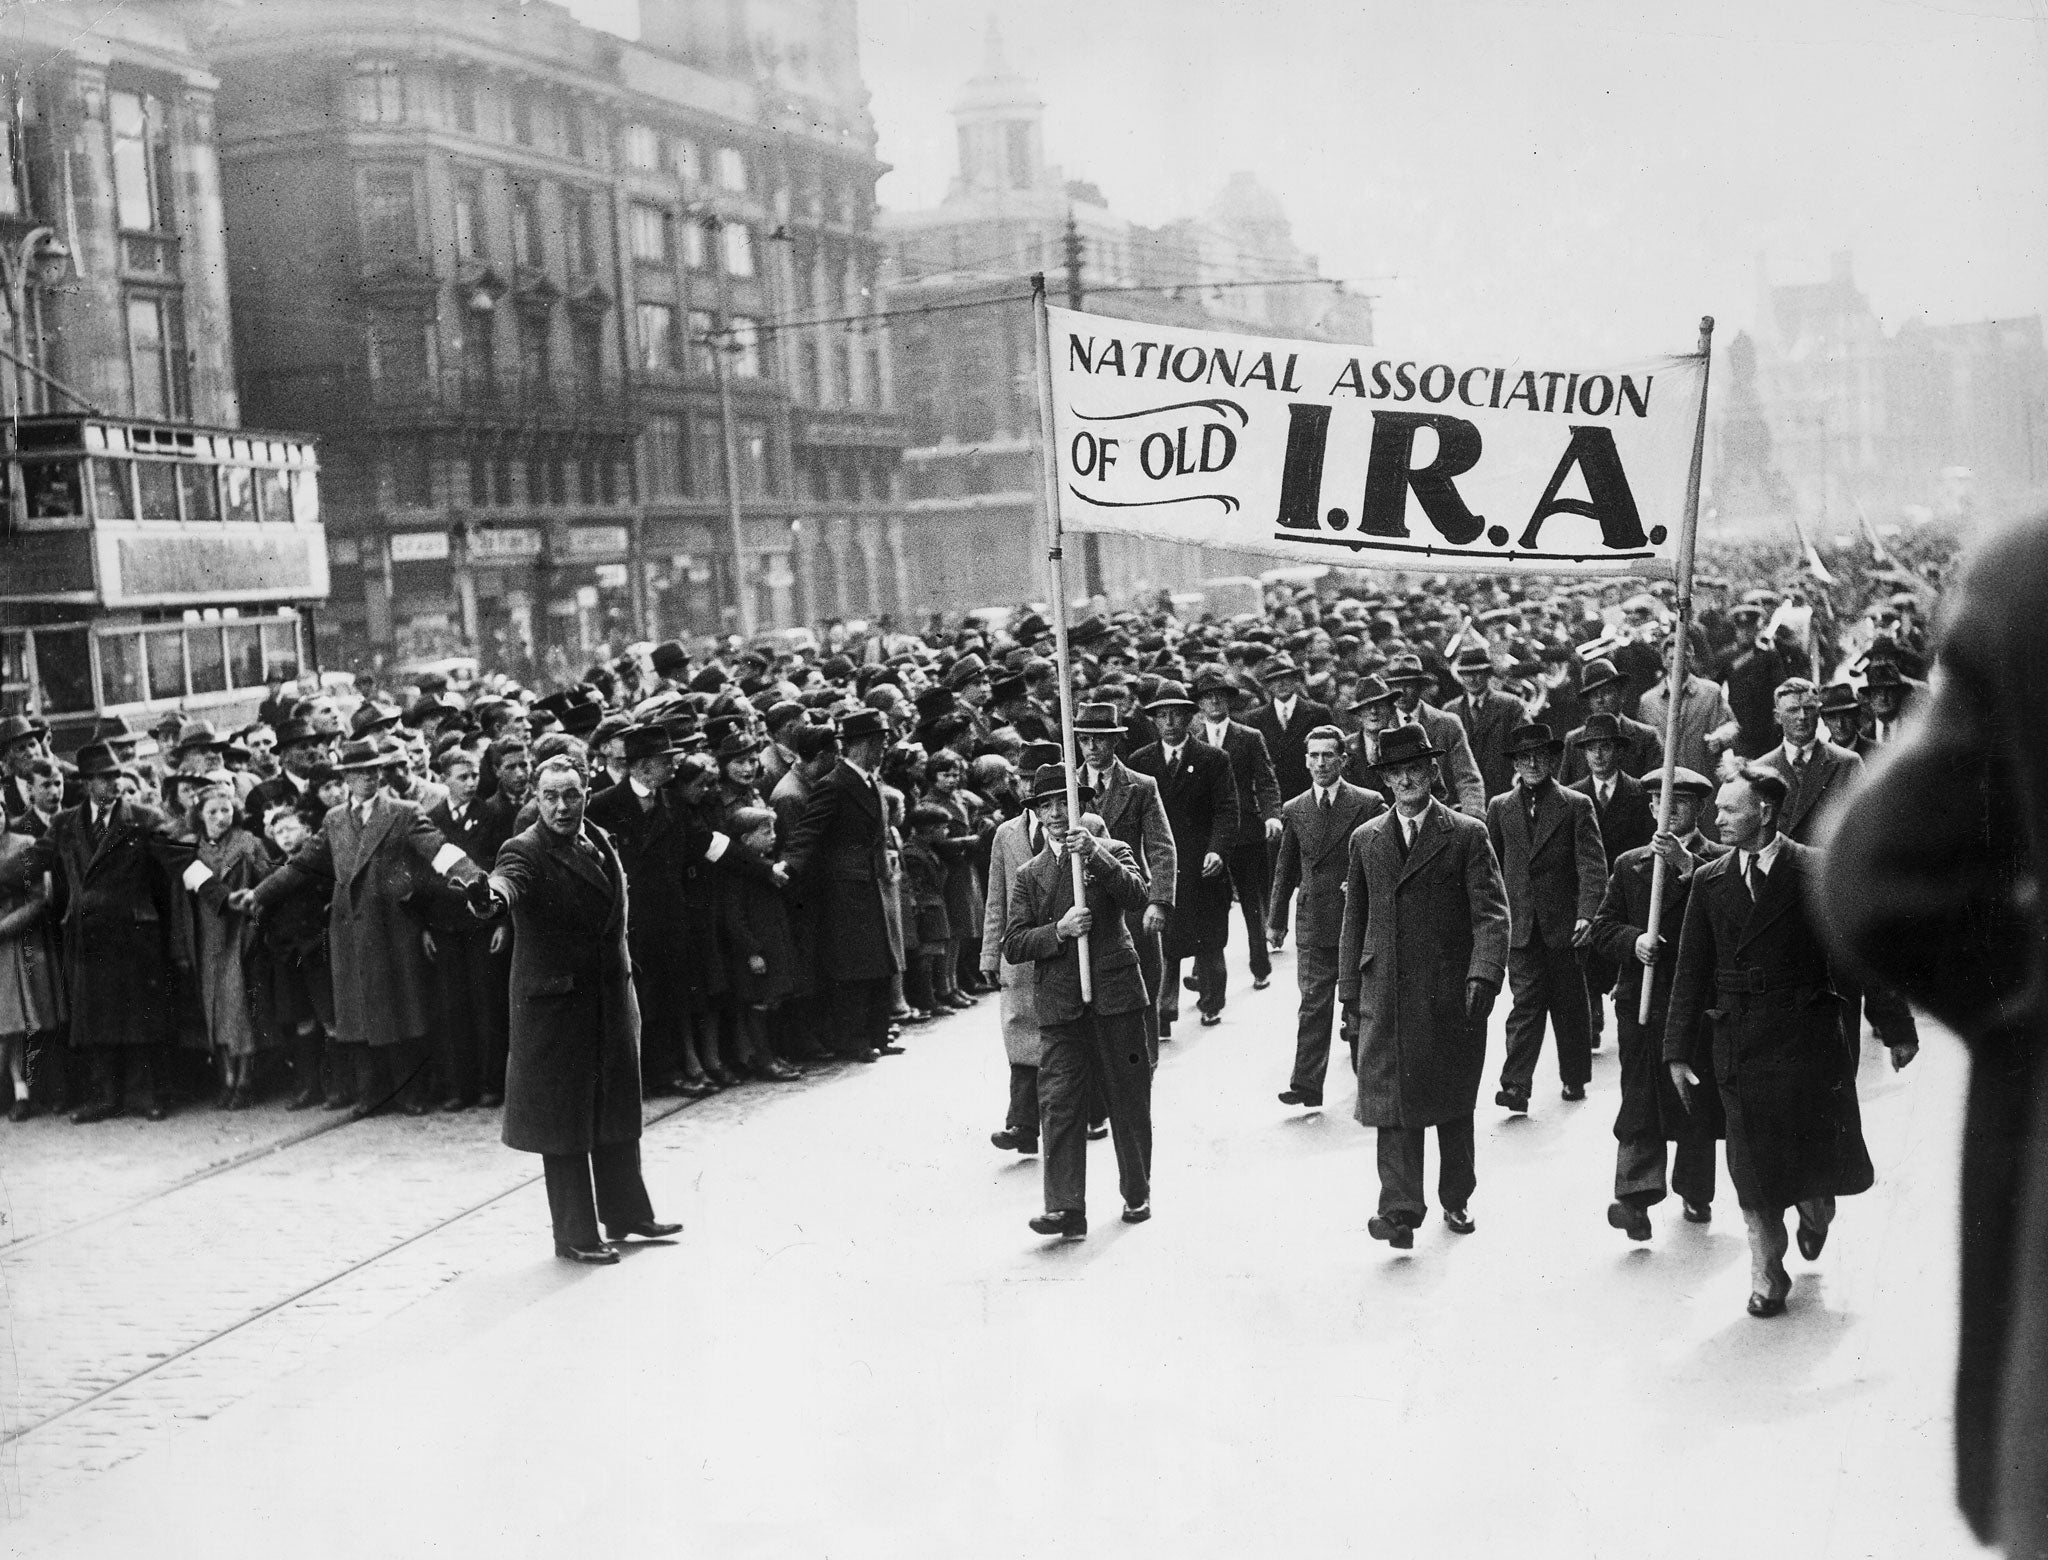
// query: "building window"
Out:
[661,457]
[401,352]
[752,438]
[732,170]
[470,242]
[648,227]
[501,482]
[391,224]
[695,247]
[643,147]
[746,347]
[521,113]
[536,360]
[581,225]
[479,482]
[380,93]
[686,161]
[462,101]
[156,356]
[586,342]
[140,182]
[528,246]
[412,477]
[572,131]
[707,458]
[701,346]
[536,481]
[736,240]
[479,359]
[657,338]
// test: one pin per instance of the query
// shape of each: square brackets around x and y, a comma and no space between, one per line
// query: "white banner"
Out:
[1370,459]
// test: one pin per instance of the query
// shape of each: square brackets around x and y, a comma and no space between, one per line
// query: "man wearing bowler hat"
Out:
[1201,801]
[1642,749]
[838,860]
[1419,963]
[1094,1046]
[1548,842]
[117,871]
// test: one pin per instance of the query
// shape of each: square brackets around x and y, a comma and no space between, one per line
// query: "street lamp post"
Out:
[37,261]
[742,593]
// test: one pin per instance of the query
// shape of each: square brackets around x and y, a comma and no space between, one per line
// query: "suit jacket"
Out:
[1642,750]
[1417,927]
[1463,786]
[1042,892]
[1488,724]
[1288,744]
[665,853]
[1929,882]
[1251,772]
[572,1078]
[1555,877]
[838,857]
[1831,774]
[1313,843]
[1201,802]
[1129,806]
[383,985]
[477,836]
[1628,819]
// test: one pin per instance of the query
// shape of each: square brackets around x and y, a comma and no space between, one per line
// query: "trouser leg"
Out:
[496,1034]
[1457,1168]
[139,1087]
[1692,1169]
[1315,971]
[1570,1014]
[1818,1212]
[1639,1170]
[1147,944]
[1767,1244]
[571,1207]
[622,1199]
[1399,1153]
[1598,973]
[860,1016]
[1022,1117]
[1169,993]
[1248,875]
[1124,1076]
[1062,1087]
[106,1064]
[456,1016]
[1527,1011]
[1212,981]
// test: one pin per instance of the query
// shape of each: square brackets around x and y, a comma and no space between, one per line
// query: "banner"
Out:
[1369,459]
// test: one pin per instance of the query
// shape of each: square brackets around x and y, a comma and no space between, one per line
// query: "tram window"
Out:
[277,503]
[156,483]
[209,666]
[202,494]
[245,655]
[14,688]
[280,651]
[166,651]
[121,669]
[64,670]
[306,498]
[110,489]
[238,493]
[51,490]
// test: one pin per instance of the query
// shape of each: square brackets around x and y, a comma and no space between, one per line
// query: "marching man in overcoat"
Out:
[572,1083]
[1651,1114]
[1424,947]
[1093,1046]
[1750,960]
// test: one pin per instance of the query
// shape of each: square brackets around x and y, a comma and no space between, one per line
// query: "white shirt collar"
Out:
[1801,755]
[1216,729]
[1764,859]
[1284,708]
[639,790]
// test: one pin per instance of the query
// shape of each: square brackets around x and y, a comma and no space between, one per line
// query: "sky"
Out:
[1558,176]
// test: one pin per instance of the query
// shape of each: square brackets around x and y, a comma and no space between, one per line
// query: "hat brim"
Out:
[1412,756]
[1101,731]
[1171,704]
[1553,747]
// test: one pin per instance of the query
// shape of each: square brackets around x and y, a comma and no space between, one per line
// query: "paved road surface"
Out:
[360,1345]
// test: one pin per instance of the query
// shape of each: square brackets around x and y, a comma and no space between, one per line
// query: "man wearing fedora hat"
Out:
[1094,1047]
[379,852]
[24,740]
[1200,797]
[1419,963]
[1128,804]
[1488,716]
[299,749]
[1285,721]
[838,859]
[1652,1119]
[1641,748]
[1842,713]
[1548,842]
[118,870]
[1626,815]
[1258,813]
[1463,785]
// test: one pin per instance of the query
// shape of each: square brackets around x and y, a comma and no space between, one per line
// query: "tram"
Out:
[149,566]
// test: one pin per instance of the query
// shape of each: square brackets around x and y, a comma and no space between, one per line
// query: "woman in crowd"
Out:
[228,953]
[31,996]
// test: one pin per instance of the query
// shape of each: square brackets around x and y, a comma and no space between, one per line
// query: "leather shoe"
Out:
[1211,1020]
[340,1102]
[1394,1232]
[1299,1097]
[1632,1221]
[1069,1224]
[1261,982]
[415,1107]
[1699,1213]
[156,1112]
[304,1100]
[1575,1091]
[1139,1214]
[21,1112]
[890,1050]
[98,1110]
[453,1105]
[594,1256]
[652,1230]
[1766,1305]
[1097,1131]
[1811,1238]
[1010,1137]
[1517,1103]
[1459,1221]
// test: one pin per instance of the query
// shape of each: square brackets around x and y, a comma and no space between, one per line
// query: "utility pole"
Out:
[1075,249]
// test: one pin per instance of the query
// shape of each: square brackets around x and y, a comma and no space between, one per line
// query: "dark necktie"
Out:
[1755,878]
[1325,795]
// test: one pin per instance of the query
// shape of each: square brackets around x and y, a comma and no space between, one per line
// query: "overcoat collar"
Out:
[1432,835]
[867,788]
[1780,891]
[1551,811]
[1326,831]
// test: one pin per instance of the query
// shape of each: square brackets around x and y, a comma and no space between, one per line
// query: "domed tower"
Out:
[1001,125]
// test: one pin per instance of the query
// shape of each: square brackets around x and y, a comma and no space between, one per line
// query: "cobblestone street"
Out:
[856,1347]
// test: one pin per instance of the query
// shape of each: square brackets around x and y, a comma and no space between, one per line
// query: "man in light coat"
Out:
[1424,946]
[1316,829]
[1015,842]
